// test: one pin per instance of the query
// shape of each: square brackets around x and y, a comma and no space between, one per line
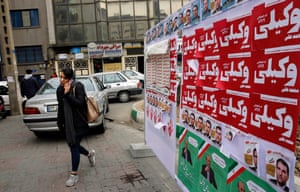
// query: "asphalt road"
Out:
[121,112]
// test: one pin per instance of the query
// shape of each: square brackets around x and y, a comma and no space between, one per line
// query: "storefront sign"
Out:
[105,50]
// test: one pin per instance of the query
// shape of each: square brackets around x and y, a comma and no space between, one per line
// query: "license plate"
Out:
[51,108]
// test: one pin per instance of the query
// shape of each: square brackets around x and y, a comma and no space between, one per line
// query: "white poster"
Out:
[160,102]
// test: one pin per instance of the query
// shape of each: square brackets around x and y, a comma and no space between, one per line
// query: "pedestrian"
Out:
[53,75]
[72,120]
[29,86]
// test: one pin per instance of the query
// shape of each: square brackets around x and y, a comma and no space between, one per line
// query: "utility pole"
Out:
[9,59]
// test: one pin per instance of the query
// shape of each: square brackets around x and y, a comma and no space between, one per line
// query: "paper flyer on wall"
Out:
[160,102]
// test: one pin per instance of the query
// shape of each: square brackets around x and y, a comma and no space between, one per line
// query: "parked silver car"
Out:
[40,113]
[134,75]
[119,85]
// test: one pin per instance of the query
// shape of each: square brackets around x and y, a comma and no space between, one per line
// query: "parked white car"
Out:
[119,85]
[4,94]
[134,75]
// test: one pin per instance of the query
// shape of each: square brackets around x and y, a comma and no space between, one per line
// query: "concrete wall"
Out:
[32,35]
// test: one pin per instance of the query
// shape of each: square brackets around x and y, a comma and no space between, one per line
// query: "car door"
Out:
[102,93]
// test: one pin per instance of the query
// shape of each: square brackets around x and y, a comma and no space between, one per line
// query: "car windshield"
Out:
[130,73]
[88,84]
[51,85]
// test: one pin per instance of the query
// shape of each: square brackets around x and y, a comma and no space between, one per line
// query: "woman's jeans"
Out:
[76,150]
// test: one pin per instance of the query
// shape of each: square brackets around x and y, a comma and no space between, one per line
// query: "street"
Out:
[120,112]
[28,163]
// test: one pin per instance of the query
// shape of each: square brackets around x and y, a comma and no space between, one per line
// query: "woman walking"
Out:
[72,120]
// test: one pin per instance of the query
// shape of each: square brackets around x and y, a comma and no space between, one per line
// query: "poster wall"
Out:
[239,101]
[240,92]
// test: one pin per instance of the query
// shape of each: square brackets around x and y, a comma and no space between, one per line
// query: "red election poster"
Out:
[173,65]
[208,98]
[207,43]
[276,73]
[188,96]
[276,25]
[208,71]
[200,41]
[236,72]
[234,35]
[190,64]
[274,119]
[234,109]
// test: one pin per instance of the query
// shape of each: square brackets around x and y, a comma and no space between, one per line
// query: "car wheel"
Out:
[124,97]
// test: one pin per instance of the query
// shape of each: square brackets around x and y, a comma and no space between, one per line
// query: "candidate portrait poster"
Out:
[242,180]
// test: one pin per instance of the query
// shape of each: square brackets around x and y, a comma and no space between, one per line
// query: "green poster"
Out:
[214,167]
[248,182]
[188,166]
[201,167]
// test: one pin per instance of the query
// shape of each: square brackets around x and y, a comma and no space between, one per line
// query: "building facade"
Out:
[52,34]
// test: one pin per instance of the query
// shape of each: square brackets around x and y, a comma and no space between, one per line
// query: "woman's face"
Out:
[63,79]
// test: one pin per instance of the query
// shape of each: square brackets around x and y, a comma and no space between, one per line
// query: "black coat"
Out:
[284,188]
[76,98]
[187,155]
[211,178]
[29,87]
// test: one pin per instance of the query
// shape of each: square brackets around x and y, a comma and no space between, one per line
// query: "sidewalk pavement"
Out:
[29,164]
[137,114]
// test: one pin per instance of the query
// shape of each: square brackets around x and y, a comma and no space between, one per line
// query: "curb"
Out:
[137,114]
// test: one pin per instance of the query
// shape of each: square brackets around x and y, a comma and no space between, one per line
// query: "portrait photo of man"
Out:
[207,171]
[207,129]
[218,6]
[185,117]
[192,121]
[181,20]
[196,16]
[254,157]
[187,15]
[186,154]
[282,175]
[206,9]
[218,136]
[199,123]
[175,23]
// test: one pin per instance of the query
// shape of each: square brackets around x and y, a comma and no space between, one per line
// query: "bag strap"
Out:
[87,100]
